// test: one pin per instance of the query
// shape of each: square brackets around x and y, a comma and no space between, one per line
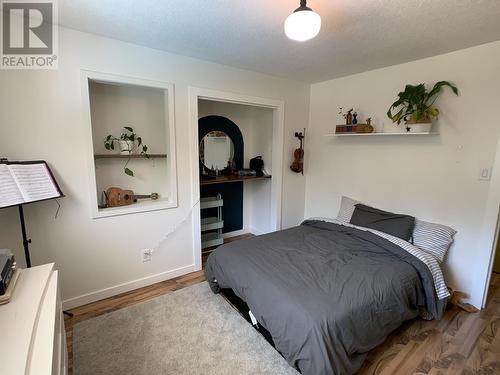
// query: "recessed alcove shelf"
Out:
[133,156]
[113,102]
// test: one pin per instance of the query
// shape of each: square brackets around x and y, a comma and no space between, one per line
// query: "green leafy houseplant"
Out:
[128,141]
[416,104]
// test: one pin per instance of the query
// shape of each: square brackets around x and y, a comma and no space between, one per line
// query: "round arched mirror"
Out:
[216,149]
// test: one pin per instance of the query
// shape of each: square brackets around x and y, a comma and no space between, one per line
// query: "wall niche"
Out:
[147,107]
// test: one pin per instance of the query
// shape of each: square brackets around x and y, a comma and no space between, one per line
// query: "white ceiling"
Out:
[357,35]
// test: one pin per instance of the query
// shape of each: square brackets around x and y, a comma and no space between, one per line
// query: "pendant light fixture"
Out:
[303,24]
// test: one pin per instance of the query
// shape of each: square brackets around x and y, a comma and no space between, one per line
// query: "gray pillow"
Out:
[394,224]
[435,239]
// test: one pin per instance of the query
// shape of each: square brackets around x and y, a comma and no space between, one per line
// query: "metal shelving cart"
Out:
[212,225]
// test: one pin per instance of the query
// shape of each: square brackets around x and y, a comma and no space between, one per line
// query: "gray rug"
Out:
[189,331]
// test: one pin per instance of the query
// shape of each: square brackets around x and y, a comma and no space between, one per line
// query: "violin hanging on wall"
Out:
[298,155]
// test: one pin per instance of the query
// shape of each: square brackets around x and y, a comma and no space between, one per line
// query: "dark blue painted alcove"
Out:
[232,193]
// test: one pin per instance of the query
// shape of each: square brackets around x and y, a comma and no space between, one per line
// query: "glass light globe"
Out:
[302,25]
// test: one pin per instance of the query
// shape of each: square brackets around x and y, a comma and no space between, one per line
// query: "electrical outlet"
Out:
[146,255]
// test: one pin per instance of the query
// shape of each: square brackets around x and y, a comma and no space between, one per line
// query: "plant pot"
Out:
[126,147]
[418,127]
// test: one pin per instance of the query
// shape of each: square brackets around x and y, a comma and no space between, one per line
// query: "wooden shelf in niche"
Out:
[150,205]
[133,156]
[228,179]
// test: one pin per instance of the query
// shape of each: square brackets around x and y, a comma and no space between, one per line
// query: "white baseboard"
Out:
[256,231]
[125,287]
[236,233]
[250,230]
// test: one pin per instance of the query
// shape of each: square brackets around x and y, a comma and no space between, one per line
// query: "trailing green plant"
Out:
[133,140]
[416,104]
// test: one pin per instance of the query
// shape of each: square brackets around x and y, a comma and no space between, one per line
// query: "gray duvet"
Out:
[327,293]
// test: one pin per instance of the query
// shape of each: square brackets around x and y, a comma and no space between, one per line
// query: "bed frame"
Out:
[242,307]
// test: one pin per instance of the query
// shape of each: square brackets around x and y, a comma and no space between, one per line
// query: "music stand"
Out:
[24,182]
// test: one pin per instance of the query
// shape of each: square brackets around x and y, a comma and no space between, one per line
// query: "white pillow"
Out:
[346,209]
[435,239]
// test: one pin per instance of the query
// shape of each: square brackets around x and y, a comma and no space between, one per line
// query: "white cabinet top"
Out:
[20,320]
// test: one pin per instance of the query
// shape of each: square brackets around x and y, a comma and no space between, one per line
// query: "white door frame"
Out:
[278,107]
[490,232]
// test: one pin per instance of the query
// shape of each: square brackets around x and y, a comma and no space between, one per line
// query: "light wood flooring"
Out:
[461,343]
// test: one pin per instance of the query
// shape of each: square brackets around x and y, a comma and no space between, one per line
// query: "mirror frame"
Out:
[201,150]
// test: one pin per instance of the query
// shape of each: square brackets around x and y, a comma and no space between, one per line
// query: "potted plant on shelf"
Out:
[128,143]
[416,107]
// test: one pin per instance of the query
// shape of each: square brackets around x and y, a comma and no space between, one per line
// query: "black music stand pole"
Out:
[26,241]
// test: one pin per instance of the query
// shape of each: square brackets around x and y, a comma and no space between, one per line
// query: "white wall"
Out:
[432,177]
[259,192]
[256,126]
[41,118]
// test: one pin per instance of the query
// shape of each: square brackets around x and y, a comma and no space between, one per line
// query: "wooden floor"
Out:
[460,343]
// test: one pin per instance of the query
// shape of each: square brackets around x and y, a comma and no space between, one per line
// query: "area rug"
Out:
[189,331]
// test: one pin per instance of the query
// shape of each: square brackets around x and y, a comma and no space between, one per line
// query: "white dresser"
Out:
[32,337]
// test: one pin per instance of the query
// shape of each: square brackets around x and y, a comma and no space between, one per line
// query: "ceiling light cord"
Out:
[303,6]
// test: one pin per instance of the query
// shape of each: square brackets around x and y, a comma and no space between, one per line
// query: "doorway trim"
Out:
[278,107]
[491,230]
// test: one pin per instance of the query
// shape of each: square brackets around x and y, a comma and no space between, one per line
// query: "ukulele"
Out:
[298,155]
[116,197]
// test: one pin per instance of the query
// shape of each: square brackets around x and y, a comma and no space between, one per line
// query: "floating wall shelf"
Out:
[377,134]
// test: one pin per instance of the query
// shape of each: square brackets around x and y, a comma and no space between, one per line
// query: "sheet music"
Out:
[9,193]
[34,181]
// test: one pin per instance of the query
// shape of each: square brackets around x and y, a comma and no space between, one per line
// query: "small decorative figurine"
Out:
[341,112]
[369,121]
[347,116]
[354,118]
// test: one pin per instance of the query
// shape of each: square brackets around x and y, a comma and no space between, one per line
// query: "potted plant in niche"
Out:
[128,142]
[416,107]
